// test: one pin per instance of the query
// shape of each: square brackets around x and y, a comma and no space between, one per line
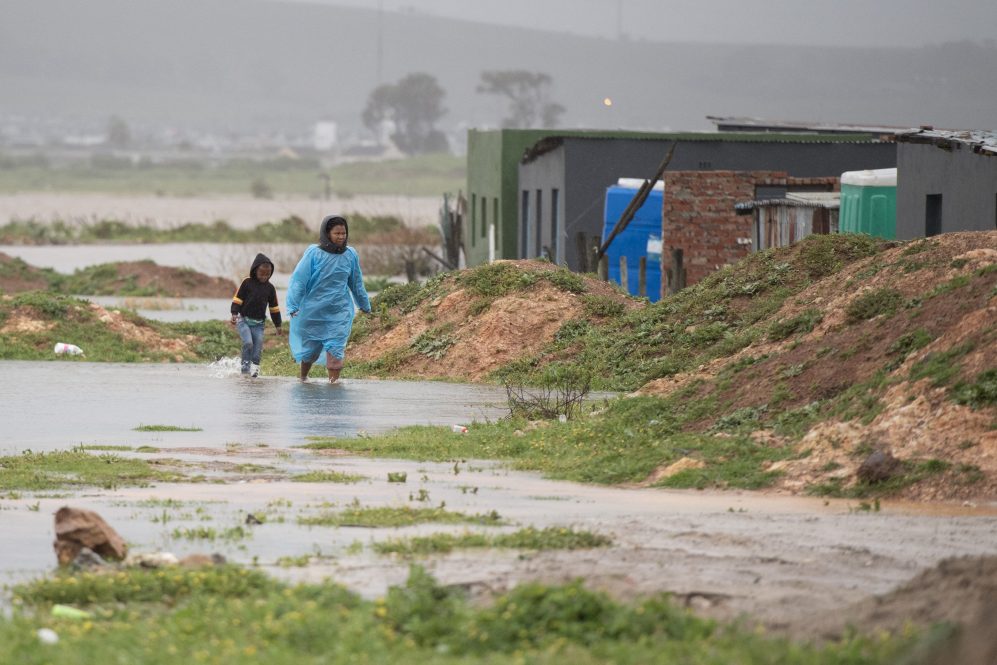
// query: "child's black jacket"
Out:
[254,297]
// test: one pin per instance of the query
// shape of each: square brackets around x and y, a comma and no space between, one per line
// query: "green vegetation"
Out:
[628,441]
[427,175]
[715,318]
[980,392]
[327,477]
[878,302]
[75,468]
[355,515]
[530,538]
[65,318]
[237,532]
[911,472]
[291,229]
[231,616]
[165,428]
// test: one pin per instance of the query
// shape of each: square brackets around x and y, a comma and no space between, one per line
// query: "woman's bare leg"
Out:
[334,366]
[305,368]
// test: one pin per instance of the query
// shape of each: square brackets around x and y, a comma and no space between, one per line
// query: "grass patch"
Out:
[74,468]
[208,533]
[389,516]
[67,318]
[941,367]
[878,302]
[232,616]
[803,322]
[326,477]
[166,428]
[979,393]
[551,538]
[911,473]
[624,444]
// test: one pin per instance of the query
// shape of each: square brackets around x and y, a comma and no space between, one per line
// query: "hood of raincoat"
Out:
[323,236]
[257,262]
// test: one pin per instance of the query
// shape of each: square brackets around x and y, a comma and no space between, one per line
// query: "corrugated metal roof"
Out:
[745,123]
[825,200]
[554,140]
[980,141]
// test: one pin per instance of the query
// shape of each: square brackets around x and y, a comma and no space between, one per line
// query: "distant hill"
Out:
[251,64]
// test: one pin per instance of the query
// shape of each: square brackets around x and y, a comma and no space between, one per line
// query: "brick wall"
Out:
[698,215]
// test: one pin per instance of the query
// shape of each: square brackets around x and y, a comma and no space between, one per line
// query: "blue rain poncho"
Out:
[325,290]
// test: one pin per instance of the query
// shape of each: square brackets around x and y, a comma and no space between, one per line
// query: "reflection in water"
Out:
[59,404]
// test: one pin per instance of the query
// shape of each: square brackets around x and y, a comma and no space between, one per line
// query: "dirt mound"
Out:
[148,278]
[899,343]
[133,278]
[959,591]
[466,325]
[39,323]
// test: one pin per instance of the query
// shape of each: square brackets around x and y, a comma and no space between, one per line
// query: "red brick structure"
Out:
[698,216]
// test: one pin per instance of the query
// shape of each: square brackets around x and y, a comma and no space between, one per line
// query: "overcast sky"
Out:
[818,22]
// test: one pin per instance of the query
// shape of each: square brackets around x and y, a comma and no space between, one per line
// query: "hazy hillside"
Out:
[248,63]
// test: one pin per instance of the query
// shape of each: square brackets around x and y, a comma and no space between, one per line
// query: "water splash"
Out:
[225,367]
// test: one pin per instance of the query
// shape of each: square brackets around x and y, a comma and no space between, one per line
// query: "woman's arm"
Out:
[297,286]
[356,284]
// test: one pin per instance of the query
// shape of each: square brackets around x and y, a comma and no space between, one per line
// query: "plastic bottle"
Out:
[68,349]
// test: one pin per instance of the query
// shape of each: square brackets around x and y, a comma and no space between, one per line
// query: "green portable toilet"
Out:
[869,203]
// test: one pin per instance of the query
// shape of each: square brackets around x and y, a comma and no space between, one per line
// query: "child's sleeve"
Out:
[237,299]
[274,307]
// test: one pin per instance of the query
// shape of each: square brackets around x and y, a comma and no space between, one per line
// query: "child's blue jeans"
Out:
[252,343]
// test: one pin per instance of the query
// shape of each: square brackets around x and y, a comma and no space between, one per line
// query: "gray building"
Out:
[946,181]
[563,179]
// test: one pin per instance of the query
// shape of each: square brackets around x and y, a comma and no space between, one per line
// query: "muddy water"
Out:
[58,404]
[775,557]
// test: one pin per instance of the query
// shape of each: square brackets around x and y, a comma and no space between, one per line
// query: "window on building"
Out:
[474,218]
[555,238]
[524,224]
[932,215]
[495,219]
[484,216]
[538,224]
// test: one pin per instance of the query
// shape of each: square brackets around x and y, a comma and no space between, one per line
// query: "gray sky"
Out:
[800,22]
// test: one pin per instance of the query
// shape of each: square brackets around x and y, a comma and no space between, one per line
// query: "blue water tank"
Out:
[641,237]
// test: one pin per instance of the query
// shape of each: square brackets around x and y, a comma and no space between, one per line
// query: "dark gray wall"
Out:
[967,182]
[546,178]
[583,168]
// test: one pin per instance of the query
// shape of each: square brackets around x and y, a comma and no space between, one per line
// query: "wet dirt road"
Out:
[774,557]
[724,554]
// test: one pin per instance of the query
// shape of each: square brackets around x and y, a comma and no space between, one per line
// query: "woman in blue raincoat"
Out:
[324,292]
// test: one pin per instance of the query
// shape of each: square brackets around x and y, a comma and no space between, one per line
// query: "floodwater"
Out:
[241,212]
[58,404]
[228,260]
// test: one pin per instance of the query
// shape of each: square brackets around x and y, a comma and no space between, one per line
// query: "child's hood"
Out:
[257,262]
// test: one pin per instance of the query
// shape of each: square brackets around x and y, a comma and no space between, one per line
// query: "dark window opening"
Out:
[524,224]
[554,239]
[495,218]
[484,216]
[474,218]
[538,227]
[933,215]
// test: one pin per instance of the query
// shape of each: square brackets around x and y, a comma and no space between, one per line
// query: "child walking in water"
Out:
[249,312]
